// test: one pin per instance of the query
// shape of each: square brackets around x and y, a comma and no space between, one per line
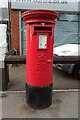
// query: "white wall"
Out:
[70,6]
[3,3]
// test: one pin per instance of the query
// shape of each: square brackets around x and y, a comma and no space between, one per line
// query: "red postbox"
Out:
[39,56]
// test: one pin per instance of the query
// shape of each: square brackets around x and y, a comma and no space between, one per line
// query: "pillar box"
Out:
[39,56]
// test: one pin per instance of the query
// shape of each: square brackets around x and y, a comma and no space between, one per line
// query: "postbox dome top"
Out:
[40,16]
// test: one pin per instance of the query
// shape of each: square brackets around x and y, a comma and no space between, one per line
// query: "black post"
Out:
[9,25]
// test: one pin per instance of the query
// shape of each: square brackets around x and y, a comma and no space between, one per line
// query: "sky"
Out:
[4,3]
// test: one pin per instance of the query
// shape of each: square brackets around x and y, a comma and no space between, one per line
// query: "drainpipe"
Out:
[9,25]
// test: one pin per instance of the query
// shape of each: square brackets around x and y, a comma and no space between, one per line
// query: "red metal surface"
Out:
[39,62]
[40,16]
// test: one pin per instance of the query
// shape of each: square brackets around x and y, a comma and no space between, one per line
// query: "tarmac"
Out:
[65,103]
[61,80]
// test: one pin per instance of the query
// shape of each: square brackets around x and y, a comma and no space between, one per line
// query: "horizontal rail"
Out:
[16,59]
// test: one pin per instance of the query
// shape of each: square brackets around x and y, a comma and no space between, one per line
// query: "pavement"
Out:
[64,104]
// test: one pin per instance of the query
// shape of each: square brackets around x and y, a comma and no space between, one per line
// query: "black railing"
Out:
[16,59]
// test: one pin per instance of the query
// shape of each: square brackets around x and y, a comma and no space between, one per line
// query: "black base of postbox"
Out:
[39,97]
